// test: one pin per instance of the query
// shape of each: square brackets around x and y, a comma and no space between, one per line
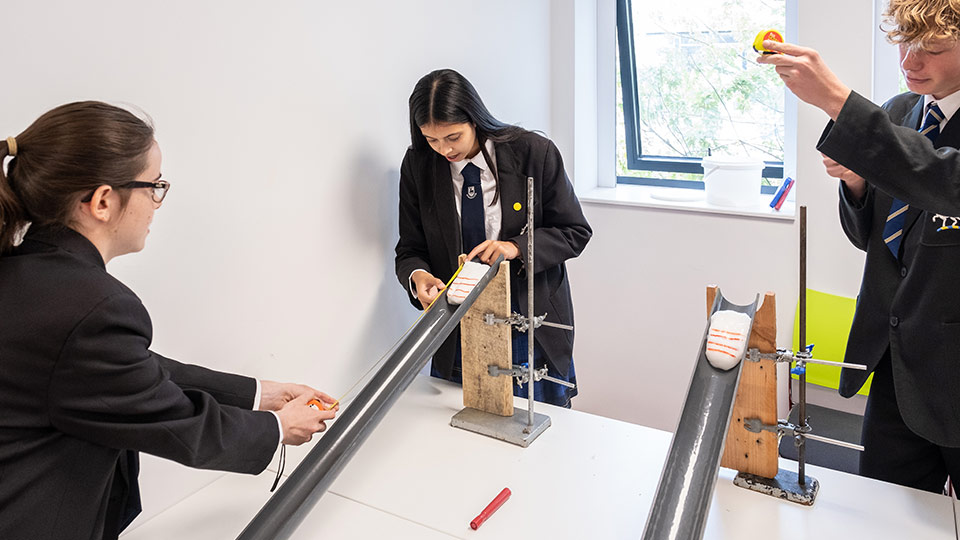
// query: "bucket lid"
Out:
[732,162]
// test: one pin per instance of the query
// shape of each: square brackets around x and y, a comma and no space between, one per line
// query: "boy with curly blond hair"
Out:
[900,201]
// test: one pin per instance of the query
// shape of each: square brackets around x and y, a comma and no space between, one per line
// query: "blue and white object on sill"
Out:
[732,181]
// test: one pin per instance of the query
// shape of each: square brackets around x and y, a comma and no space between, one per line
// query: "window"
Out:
[888,79]
[688,87]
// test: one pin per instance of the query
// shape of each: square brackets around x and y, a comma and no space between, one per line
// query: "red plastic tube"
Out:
[490,509]
[786,192]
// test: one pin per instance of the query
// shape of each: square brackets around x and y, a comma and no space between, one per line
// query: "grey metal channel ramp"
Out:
[287,508]
[680,506]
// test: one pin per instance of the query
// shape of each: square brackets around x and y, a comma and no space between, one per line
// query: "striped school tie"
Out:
[472,224]
[893,230]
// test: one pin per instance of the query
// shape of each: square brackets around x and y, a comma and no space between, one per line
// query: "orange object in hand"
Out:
[318,405]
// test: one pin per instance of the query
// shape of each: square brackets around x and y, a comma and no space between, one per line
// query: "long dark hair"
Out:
[69,151]
[447,97]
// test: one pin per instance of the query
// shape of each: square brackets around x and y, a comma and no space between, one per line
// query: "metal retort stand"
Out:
[796,487]
[516,429]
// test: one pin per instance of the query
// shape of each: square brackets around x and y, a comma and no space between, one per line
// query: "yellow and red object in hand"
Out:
[771,35]
[320,406]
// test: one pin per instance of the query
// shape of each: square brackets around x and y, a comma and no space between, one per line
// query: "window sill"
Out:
[679,199]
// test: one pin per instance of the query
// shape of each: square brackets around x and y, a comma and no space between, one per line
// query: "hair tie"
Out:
[11,146]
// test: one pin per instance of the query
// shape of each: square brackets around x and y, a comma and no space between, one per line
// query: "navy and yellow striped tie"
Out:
[893,229]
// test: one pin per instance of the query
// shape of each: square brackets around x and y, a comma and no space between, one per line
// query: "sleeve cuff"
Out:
[849,199]
[279,428]
[413,290]
[256,401]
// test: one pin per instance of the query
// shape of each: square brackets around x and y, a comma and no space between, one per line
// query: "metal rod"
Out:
[682,502]
[556,325]
[530,272]
[956,519]
[287,508]
[846,365]
[834,442]
[788,356]
[802,420]
[558,381]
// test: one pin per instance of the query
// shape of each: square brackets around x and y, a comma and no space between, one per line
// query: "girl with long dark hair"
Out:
[463,190]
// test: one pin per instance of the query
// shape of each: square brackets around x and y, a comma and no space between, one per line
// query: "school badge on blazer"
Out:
[946,222]
[941,231]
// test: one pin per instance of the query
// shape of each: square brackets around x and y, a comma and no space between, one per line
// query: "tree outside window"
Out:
[698,88]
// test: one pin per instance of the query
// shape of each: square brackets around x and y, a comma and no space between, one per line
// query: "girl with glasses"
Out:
[80,390]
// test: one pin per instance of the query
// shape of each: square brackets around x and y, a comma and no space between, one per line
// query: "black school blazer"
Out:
[430,233]
[80,388]
[911,305]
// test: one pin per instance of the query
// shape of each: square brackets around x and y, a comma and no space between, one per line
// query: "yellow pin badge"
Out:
[517,206]
[771,35]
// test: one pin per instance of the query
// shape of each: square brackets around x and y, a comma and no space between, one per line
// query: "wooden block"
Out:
[755,453]
[482,345]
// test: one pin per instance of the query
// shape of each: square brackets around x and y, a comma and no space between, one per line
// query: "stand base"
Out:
[512,429]
[784,486]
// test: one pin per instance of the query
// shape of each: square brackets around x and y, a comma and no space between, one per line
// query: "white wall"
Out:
[639,288]
[282,127]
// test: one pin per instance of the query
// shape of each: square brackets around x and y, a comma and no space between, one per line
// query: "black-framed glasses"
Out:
[160,188]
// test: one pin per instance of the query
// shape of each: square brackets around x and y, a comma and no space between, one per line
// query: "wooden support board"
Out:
[482,345]
[755,453]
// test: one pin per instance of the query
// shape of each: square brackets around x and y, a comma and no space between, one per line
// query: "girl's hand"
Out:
[489,250]
[428,287]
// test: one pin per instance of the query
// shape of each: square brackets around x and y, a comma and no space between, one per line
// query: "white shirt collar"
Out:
[477,160]
[948,105]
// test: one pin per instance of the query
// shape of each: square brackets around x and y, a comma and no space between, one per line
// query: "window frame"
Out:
[636,160]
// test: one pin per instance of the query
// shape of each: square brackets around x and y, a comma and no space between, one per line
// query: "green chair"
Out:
[828,325]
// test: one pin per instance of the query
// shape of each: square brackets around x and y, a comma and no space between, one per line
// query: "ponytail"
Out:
[67,152]
[12,218]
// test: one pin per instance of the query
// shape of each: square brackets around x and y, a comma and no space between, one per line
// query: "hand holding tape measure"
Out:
[769,35]
[318,405]
[803,71]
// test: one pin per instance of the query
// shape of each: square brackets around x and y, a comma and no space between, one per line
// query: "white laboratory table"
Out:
[585,477]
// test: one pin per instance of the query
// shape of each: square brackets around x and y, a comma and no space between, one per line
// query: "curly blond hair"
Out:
[921,22]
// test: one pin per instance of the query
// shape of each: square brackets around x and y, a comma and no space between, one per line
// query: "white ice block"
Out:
[465,281]
[727,338]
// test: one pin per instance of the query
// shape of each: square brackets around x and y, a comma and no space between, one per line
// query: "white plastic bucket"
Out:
[732,181]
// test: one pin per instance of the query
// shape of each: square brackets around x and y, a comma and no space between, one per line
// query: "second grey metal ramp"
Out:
[679,509]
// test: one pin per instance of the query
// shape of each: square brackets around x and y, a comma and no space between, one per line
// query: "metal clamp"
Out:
[521,323]
[515,319]
[522,374]
[782,355]
[800,357]
[754,425]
